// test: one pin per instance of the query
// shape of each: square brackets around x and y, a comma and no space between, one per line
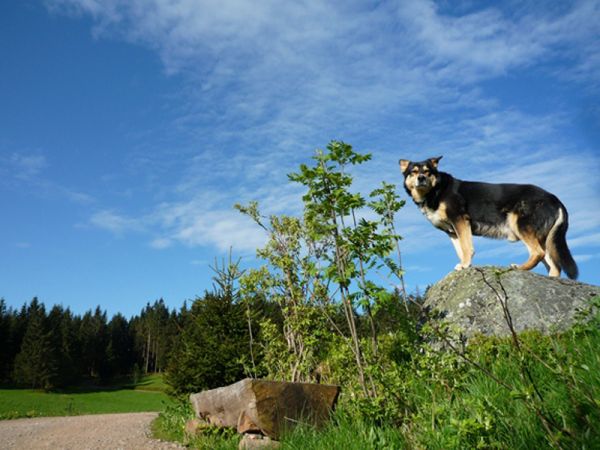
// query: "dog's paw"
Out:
[461,266]
[514,266]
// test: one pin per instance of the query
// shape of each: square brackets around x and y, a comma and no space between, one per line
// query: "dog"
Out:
[517,212]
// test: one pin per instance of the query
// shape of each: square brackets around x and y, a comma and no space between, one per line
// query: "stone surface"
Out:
[266,407]
[470,300]
[257,441]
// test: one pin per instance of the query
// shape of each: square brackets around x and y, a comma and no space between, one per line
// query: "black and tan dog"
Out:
[517,212]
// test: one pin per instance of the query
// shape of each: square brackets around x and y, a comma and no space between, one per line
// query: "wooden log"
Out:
[266,407]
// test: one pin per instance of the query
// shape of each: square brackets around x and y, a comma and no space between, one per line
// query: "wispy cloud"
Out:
[489,42]
[30,169]
[114,222]
[264,82]
[23,166]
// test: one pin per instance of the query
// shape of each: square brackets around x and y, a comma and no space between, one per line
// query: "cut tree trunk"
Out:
[266,407]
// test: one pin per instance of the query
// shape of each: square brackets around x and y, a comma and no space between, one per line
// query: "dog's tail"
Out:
[556,245]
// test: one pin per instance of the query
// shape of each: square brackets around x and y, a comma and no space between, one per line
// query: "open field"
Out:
[145,396]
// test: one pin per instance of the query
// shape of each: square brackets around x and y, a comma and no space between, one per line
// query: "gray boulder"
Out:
[471,301]
[265,407]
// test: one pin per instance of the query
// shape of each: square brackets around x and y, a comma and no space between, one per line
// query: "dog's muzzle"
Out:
[421,181]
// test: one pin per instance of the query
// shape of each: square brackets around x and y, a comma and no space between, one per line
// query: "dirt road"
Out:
[103,431]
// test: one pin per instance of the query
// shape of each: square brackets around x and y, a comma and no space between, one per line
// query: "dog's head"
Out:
[420,177]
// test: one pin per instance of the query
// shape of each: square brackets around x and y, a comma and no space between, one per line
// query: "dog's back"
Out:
[488,206]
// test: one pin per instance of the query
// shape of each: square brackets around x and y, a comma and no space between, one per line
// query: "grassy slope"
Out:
[145,396]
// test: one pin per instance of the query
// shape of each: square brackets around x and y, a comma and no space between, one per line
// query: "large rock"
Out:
[266,407]
[471,299]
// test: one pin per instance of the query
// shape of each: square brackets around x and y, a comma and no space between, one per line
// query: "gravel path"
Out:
[102,431]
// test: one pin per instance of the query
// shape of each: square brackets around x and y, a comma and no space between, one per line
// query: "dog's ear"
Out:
[435,161]
[404,163]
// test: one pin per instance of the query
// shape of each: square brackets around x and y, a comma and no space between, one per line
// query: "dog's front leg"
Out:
[456,243]
[463,243]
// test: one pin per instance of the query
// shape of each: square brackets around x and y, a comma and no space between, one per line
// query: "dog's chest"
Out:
[437,217]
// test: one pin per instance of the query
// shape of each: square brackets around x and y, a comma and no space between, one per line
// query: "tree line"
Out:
[52,348]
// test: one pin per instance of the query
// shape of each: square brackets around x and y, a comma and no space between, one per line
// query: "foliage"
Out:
[318,269]
[36,363]
[440,399]
[170,425]
[210,348]
[347,433]
[452,403]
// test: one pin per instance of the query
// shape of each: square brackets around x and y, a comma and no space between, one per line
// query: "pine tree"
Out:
[119,350]
[94,340]
[63,333]
[5,338]
[209,351]
[36,364]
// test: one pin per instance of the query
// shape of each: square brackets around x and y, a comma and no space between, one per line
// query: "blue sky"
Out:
[128,129]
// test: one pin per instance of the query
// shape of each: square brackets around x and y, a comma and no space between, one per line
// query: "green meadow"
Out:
[146,395]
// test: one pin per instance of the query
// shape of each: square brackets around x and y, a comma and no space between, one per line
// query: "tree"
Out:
[154,330]
[210,349]
[65,340]
[94,341]
[292,348]
[330,255]
[119,350]
[36,364]
[5,338]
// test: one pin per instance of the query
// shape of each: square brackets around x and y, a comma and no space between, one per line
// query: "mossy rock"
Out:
[471,301]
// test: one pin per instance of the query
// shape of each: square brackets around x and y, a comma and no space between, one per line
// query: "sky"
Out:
[130,128]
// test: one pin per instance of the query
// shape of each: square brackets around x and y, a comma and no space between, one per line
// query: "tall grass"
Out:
[345,433]
[543,392]
[556,405]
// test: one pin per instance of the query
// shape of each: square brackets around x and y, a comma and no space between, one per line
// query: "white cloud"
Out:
[26,166]
[590,240]
[483,40]
[265,81]
[160,243]
[488,42]
[114,223]
[584,257]
[220,228]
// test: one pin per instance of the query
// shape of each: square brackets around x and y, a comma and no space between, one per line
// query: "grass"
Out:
[556,380]
[170,424]
[345,433]
[145,396]
[153,382]
[452,405]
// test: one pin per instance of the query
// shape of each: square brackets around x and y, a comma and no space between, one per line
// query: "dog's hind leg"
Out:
[536,253]
[535,248]
[552,268]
